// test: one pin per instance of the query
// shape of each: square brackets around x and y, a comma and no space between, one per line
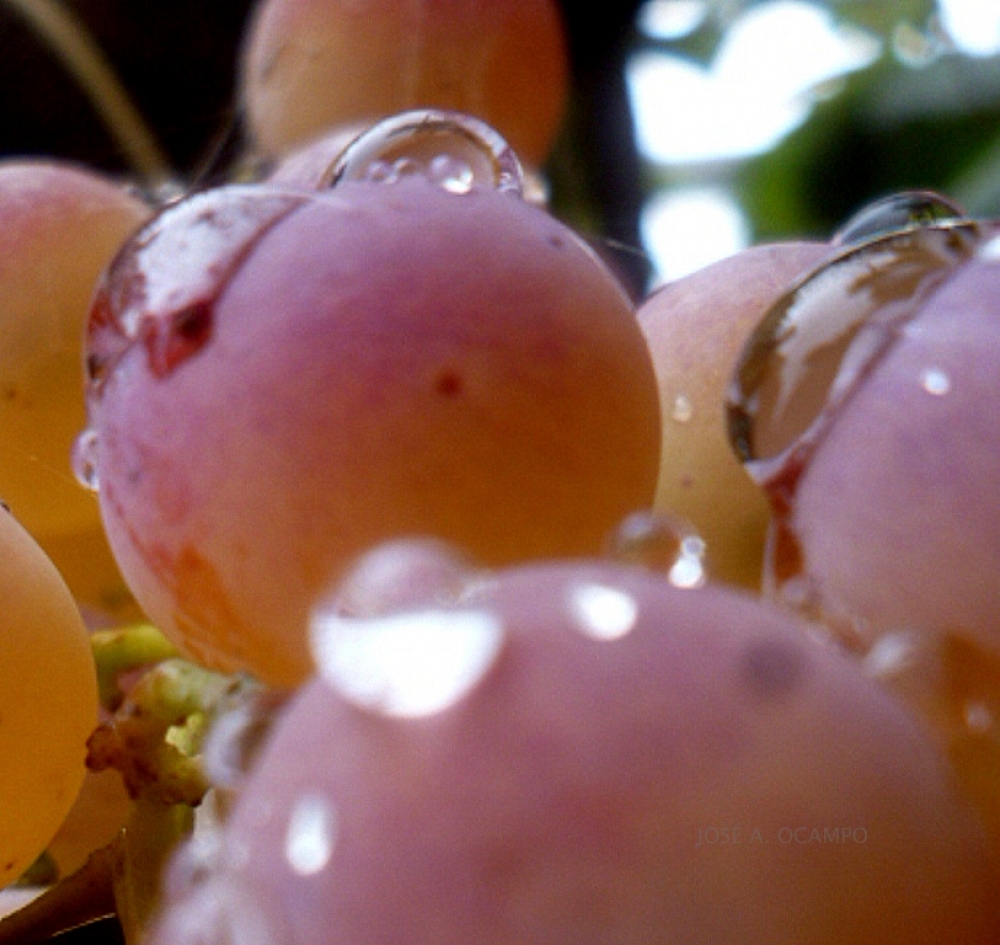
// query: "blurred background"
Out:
[698,126]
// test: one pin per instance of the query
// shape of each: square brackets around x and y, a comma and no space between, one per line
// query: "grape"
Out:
[315,373]
[311,65]
[48,699]
[866,404]
[696,327]
[583,753]
[59,227]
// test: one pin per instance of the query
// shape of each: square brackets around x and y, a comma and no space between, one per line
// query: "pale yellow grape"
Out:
[59,227]
[48,699]
[696,328]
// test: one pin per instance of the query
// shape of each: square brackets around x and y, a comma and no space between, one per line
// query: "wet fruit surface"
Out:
[385,359]
[583,753]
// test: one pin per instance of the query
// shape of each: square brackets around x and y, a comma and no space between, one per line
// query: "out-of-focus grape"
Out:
[59,227]
[696,328]
[311,65]
[48,699]
[582,753]
[281,379]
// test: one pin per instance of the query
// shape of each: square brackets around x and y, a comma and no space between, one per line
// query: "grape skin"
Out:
[386,361]
[562,799]
[48,699]
[59,227]
[311,65]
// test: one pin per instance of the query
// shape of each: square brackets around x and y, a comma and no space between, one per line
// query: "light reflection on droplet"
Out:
[978,717]
[682,410]
[989,250]
[407,664]
[935,381]
[83,459]
[889,654]
[661,542]
[602,612]
[311,834]
[688,571]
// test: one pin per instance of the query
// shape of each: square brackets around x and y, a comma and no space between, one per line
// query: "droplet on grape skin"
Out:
[661,542]
[401,575]
[161,287]
[816,343]
[311,834]
[223,912]
[935,381]
[683,410]
[902,211]
[603,612]
[407,664]
[84,459]
[454,151]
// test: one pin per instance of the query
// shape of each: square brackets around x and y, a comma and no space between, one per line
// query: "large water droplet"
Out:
[311,834]
[819,339]
[902,211]
[661,542]
[407,664]
[84,459]
[160,288]
[453,150]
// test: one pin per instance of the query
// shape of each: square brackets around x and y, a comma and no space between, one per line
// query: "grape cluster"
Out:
[576,619]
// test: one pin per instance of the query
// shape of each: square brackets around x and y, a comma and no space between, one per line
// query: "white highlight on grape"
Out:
[688,571]
[935,381]
[408,664]
[311,834]
[602,612]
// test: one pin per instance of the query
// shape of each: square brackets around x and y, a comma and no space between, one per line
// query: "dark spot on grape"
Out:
[771,669]
[448,384]
[5,507]
[557,242]
[10,393]
[186,331]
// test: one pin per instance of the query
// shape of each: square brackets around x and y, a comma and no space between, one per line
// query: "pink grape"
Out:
[583,753]
[281,379]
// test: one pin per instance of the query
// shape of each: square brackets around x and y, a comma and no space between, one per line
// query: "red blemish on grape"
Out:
[172,340]
[448,384]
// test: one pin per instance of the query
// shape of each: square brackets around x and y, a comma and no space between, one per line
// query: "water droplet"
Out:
[815,343]
[978,717]
[889,656]
[311,834]
[407,664]
[160,288]
[902,211]
[603,612]
[220,912]
[453,150]
[236,735]
[682,410]
[661,542]
[935,381]
[84,459]
[401,575]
